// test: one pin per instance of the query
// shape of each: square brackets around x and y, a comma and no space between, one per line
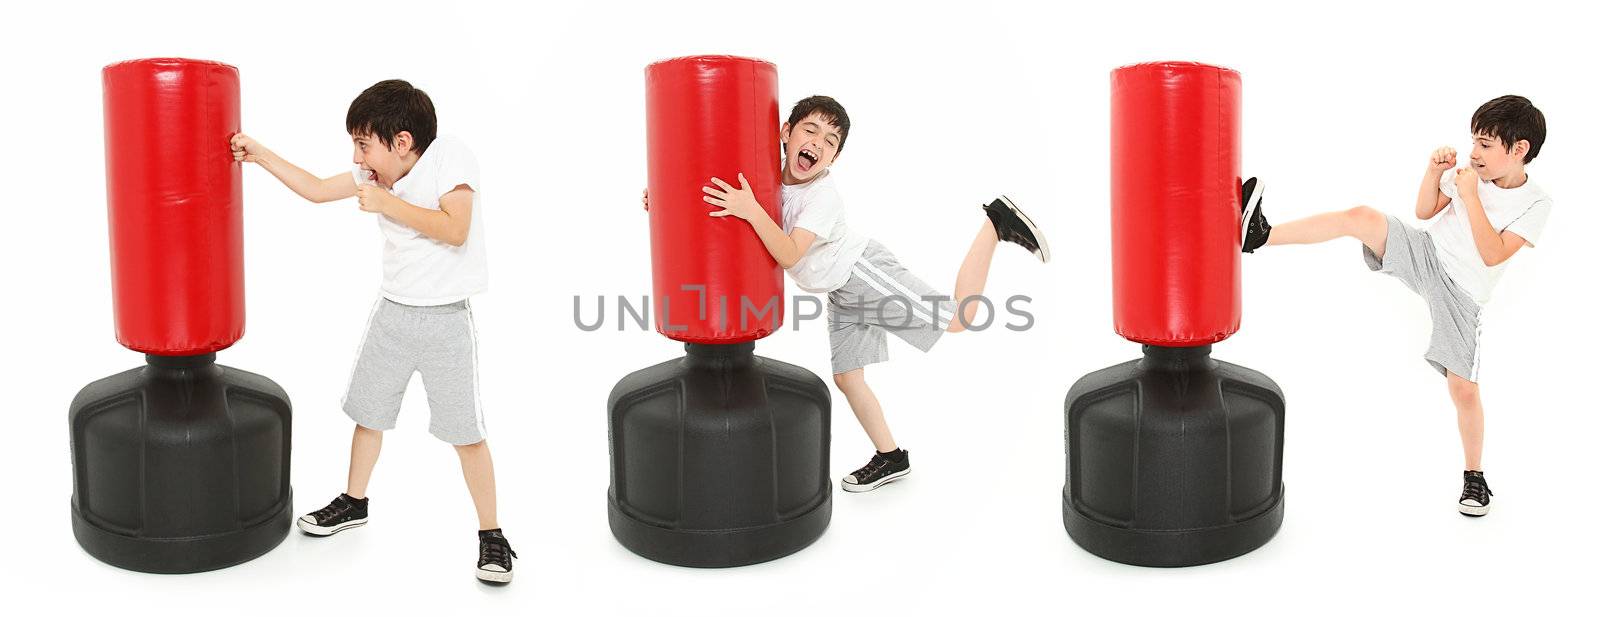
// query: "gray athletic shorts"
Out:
[1409,255]
[437,341]
[882,298]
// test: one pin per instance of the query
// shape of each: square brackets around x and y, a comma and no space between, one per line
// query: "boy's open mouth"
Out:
[806,159]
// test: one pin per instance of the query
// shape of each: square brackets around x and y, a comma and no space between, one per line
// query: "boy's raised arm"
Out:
[1494,247]
[449,224]
[1430,199]
[312,188]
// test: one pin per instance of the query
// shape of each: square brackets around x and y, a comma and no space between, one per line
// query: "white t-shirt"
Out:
[816,207]
[1523,210]
[421,271]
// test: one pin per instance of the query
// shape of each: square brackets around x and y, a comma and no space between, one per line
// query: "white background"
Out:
[951,104]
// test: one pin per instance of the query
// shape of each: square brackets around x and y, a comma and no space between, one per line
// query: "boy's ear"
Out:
[402,142]
[783,132]
[1519,149]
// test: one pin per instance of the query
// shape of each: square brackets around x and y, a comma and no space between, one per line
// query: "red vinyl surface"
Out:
[712,116]
[1175,203]
[175,203]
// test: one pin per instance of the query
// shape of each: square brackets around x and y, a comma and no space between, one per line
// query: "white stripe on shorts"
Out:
[912,298]
[879,287]
[1477,344]
[477,401]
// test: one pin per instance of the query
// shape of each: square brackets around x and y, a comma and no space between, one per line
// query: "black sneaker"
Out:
[494,556]
[1015,227]
[1253,227]
[343,513]
[882,469]
[1474,494]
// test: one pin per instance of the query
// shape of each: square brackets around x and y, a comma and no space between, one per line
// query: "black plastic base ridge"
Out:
[719,458]
[1174,548]
[181,465]
[719,548]
[183,555]
[1175,459]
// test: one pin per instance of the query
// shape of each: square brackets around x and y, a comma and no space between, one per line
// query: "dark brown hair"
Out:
[831,111]
[391,106]
[1511,119]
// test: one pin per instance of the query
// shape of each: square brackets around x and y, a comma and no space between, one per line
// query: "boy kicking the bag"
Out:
[1482,213]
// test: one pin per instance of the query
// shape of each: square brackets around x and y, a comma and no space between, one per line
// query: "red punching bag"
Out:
[1175,458]
[174,197]
[182,464]
[1175,203]
[712,116]
[677,428]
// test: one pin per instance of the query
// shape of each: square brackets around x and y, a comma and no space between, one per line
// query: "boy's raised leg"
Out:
[971,278]
[1005,223]
[1368,225]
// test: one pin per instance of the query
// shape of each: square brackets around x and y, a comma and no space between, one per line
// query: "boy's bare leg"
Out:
[1369,226]
[970,279]
[865,404]
[364,447]
[1469,419]
[478,469]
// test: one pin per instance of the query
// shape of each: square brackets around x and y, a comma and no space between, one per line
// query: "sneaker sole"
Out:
[1250,208]
[862,488]
[1044,246]
[1472,511]
[490,576]
[323,532]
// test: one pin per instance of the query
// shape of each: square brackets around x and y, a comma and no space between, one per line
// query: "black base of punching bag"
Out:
[719,458]
[1175,459]
[180,466]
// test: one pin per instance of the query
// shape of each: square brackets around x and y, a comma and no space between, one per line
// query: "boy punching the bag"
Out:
[424,189]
